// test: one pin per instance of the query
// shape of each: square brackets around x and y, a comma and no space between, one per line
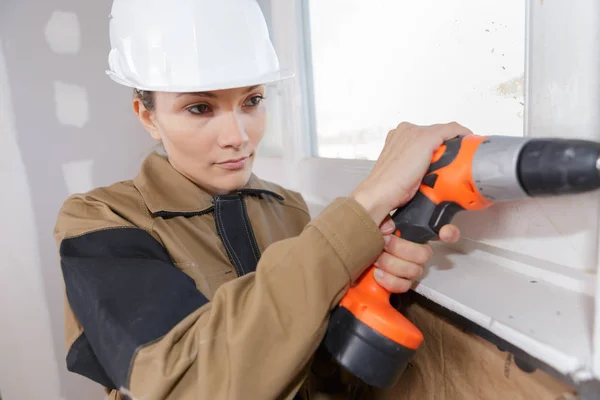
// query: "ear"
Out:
[146,118]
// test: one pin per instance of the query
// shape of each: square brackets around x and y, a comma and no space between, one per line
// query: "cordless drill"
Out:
[369,337]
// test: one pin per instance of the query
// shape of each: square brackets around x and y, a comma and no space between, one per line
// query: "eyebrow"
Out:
[211,94]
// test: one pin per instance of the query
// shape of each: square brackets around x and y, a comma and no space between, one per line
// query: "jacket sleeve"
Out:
[146,327]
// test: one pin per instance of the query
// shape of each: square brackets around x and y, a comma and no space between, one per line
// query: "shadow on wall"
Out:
[74,128]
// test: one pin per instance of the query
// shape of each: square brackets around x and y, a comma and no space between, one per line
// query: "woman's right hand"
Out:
[400,168]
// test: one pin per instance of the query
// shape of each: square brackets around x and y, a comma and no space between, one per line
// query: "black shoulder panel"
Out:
[126,293]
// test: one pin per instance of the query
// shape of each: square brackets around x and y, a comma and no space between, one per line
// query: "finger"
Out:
[398,267]
[391,283]
[449,234]
[412,252]
[387,226]
[452,130]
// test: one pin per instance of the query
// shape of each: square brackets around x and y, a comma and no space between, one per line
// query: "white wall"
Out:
[64,127]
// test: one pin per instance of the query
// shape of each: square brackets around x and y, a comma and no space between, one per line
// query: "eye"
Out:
[254,100]
[199,109]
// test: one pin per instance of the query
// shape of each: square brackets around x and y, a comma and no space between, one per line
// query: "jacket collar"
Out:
[166,192]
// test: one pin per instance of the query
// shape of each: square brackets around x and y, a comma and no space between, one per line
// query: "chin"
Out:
[234,180]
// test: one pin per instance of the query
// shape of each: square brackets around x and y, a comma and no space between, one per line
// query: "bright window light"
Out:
[377,63]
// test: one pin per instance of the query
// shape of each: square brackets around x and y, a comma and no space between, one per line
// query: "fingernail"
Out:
[388,226]
[378,273]
[387,239]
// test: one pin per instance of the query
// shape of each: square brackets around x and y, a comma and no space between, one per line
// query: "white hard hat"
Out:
[191,45]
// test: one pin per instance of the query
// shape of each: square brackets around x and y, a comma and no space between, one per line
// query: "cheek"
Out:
[185,133]
[256,126]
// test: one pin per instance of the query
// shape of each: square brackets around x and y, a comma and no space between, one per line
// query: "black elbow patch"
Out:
[126,293]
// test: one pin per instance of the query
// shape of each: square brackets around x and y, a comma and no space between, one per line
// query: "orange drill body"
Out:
[453,182]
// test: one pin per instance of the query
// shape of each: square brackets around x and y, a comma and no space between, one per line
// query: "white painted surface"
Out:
[63,32]
[78,176]
[552,323]
[71,104]
[26,344]
[560,230]
[64,128]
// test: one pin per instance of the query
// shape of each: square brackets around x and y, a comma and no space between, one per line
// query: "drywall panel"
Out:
[64,128]
[24,342]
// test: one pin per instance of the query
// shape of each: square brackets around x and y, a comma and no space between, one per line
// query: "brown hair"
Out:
[147,98]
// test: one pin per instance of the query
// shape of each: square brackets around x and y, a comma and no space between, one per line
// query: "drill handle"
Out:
[412,220]
[420,220]
[366,335]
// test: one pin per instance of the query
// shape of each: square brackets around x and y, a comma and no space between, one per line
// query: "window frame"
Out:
[299,169]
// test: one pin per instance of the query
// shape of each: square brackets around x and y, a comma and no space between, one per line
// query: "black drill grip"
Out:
[420,220]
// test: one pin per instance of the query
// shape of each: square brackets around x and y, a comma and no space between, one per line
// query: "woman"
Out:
[196,279]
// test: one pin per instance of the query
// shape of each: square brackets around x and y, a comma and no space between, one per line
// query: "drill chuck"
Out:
[559,166]
[510,168]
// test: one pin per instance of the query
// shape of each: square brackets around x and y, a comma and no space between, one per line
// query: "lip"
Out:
[234,164]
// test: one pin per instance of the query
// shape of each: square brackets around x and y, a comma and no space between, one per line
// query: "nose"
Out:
[233,133]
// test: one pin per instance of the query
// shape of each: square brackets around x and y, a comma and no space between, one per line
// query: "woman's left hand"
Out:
[402,261]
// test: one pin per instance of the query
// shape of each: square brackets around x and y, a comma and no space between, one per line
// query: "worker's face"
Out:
[210,137]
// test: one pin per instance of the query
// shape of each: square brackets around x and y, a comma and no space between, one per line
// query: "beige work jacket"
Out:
[175,294]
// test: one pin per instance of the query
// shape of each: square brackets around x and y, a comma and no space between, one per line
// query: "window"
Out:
[387,61]
[526,271]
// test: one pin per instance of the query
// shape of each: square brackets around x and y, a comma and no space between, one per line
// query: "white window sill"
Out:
[551,323]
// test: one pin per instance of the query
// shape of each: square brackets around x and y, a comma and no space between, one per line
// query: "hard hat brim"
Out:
[273,77]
